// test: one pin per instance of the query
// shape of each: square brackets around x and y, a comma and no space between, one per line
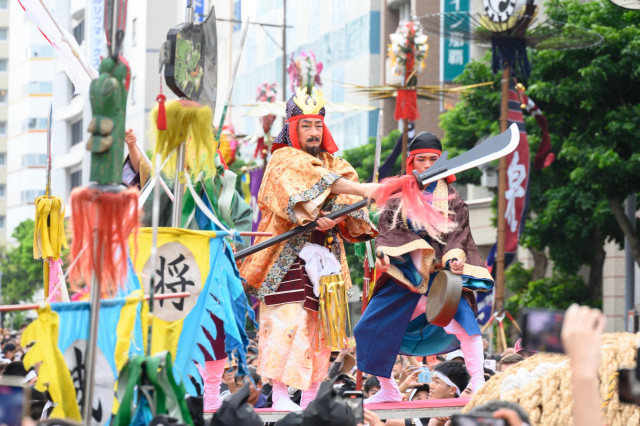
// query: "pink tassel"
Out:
[415,203]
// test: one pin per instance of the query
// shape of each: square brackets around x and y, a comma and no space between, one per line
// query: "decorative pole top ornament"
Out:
[305,71]
[408,50]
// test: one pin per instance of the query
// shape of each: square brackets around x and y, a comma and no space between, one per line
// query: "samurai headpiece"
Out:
[301,105]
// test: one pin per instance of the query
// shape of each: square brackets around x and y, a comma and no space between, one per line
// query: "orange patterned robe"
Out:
[295,187]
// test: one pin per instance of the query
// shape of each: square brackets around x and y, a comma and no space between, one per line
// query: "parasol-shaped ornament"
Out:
[510,26]
[262,109]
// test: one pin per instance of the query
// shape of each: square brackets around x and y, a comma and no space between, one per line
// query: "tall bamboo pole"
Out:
[504,111]
[284,50]
[405,142]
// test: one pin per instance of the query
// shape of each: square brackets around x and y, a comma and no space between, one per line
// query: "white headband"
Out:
[447,381]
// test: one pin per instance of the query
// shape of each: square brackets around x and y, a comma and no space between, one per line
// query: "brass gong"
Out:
[443,298]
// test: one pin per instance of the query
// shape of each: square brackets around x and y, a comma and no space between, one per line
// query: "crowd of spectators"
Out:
[450,379]
[11,366]
[446,378]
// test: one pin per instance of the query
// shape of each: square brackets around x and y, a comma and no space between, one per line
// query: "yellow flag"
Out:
[53,371]
[182,265]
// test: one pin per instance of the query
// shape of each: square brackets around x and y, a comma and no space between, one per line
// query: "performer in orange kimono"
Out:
[303,182]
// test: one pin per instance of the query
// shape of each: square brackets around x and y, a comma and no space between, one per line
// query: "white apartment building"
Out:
[4,85]
[30,89]
[344,36]
[37,79]
[147,25]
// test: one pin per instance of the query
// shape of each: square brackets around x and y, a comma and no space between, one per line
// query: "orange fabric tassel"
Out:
[102,221]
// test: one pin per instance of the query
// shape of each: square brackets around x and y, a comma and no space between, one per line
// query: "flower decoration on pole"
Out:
[266,93]
[408,52]
[304,71]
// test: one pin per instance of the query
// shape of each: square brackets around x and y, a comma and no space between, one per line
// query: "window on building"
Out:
[75,178]
[3,190]
[30,195]
[132,90]
[78,32]
[3,4]
[76,132]
[3,65]
[39,87]
[30,124]
[41,51]
[3,159]
[2,222]
[34,123]
[3,128]
[4,33]
[34,160]
[134,36]
[237,15]
[4,96]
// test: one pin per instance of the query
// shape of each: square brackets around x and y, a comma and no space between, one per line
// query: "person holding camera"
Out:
[582,330]
[394,321]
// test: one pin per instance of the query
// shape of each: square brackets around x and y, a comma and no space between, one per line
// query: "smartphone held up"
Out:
[541,329]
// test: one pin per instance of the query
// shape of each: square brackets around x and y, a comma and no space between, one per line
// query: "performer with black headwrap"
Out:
[395,321]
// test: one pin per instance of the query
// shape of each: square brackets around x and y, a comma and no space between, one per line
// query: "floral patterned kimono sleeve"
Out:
[295,185]
[356,227]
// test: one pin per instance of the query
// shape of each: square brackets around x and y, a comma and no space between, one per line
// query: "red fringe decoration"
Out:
[415,203]
[113,217]
[407,105]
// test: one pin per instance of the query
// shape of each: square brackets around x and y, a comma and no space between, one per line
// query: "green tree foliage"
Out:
[593,111]
[475,116]
[558,291]
[362,159]
[21,273]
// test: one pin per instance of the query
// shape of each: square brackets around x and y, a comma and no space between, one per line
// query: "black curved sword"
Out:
[490,149]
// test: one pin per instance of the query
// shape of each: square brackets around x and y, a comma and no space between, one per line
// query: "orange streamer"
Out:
[102,221]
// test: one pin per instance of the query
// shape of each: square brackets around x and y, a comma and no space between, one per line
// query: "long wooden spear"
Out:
[233,79]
